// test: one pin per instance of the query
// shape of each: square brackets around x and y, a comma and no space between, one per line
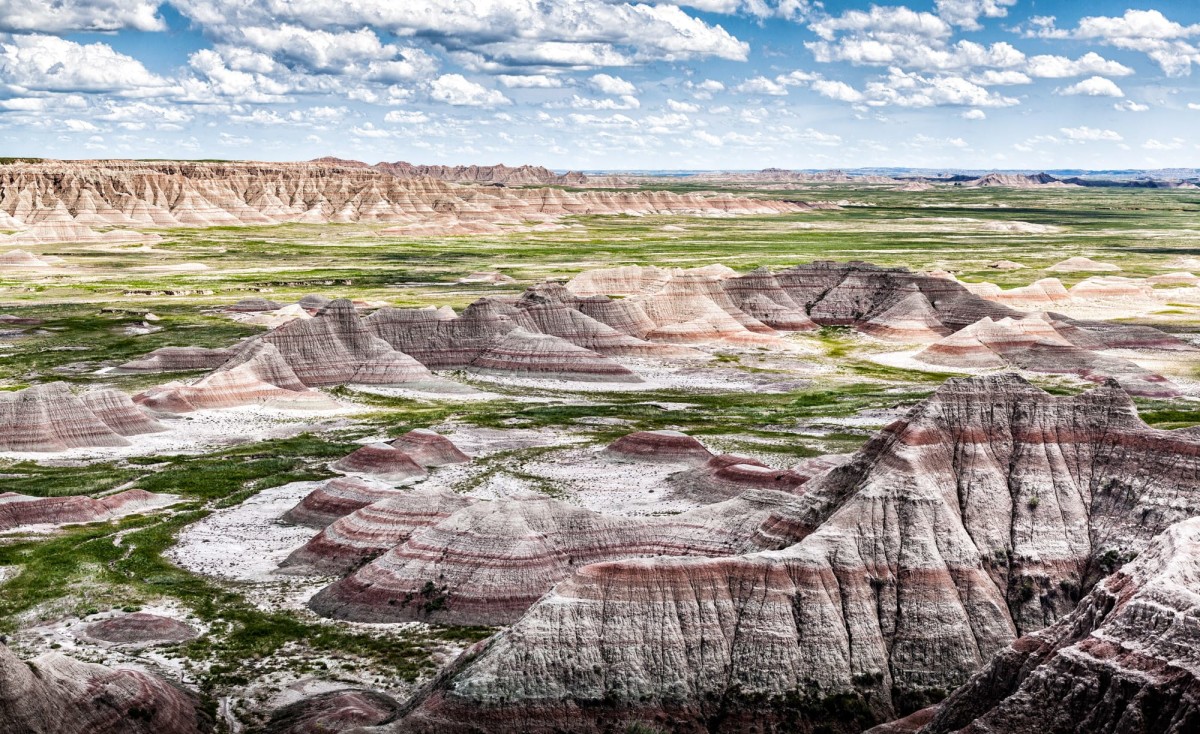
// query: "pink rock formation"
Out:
[1039,344]
[727,475]
[50,417]
[139,628]
[670,447]
[17,510]
[382,461]
[488,562]
[335,499]
[367,533]
[1126,659]
[1081,265]
[257,375]
[429,448]
[911,319]
[487,278]
[336,348]
[27,260]
[525,353]
[334,711]
[65,200]
[1112,287]
[982,514]
[441,340]
[1041,294]
[55,694]
[179,359]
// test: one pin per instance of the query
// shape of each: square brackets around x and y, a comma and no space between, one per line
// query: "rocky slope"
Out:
[1127,659]
[486,563]
[981,515]
[50,417]
[18,510]
[65,201]
[54,694]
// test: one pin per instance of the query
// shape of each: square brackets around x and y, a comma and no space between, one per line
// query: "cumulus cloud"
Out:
[837,90]
[763,86]
[65,16]
[1096,86]
[457,90]
[565,32]
[1061,67]
[48,63]
[974,115]
[1086,134]
[677,106]
[530,81]
[1164,41]
[614,85]
[904,89]
[966,13]
[1130,106]
[1172,144]
[405,117]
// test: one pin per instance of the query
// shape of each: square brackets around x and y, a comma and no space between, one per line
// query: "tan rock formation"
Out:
[51,418]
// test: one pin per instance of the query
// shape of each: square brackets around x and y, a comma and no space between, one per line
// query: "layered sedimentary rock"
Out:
[17,510]
[335,499]
[671,447]
[139,628]
[56,201]
[337,348]
[382,461]
[20,259]
[258,375]
[1126,659]
[370,531]
[911,319]
[333,712]
[532,354]
[982,514]
[179,359]
[727,475]
[52,418]
[440,339]
[1039,343]
[486,563]
[54,694]
[429,448]
[254,305]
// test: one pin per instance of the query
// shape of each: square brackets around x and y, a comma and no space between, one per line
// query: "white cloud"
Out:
[840,91]
[48,63]
[457,90]
[905,89]
[614,85]
[966,13]
[80,126]
[761,85]
[586,103]
[564,32]
[1130,106]
[530,81]
[1086,134]
[367,130]
[708,138]
[677,106]
[399,117]
[64,16]
[1172,144]
[1150,32]
[1008,77]
[705,89]
[1061,67]
[1096,86]
[1193,106]
[974,115]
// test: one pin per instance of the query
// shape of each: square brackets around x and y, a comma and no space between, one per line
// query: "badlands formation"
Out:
[352,478]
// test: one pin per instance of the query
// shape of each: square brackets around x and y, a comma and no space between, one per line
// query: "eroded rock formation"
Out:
[983,514]
[1126,659]
[139,628]
[486,563]
[671,447]
[50,417]
[55,694]
[17,510]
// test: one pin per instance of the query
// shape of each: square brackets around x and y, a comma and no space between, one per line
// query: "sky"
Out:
[608,84]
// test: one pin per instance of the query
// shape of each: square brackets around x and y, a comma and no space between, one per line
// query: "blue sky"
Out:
[607,84]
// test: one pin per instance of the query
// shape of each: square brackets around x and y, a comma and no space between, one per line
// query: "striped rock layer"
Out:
[370,531]
[17,510]
[382,461]
[429,448]
[55,694]
[488,562]
[335,499]
[58,201]
[727,475]
[1127,659]
[670,447]
[50,417]
[983,514]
